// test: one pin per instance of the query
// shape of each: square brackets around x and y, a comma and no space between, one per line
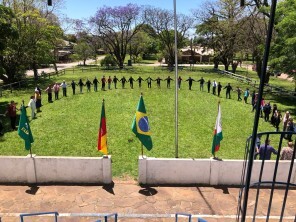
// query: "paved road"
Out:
[135,203]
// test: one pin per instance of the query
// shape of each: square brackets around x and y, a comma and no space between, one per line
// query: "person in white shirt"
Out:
[214,84]
[32,105]
[64,87]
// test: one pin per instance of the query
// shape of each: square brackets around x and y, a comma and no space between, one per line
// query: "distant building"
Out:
[197,54]
[64,50]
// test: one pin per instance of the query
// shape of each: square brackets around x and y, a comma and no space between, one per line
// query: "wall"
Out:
[56,170]
[206,171]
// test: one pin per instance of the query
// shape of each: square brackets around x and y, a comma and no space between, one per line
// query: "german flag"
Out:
[102,135]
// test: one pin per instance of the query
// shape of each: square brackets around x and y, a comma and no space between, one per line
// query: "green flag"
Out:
[24,130]
[140,125]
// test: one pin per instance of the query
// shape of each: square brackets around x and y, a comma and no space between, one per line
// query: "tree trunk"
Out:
[34,66]
[216,63]
[84,60]
[234,66]
[55,67]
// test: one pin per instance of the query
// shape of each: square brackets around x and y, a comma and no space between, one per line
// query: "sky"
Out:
[79,9]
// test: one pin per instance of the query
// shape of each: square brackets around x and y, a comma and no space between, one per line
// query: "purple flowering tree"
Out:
[116,27]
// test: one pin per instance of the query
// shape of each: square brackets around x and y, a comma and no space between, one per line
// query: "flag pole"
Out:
[27,121]
[142,150]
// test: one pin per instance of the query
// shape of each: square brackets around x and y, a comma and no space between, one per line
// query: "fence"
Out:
[254,83]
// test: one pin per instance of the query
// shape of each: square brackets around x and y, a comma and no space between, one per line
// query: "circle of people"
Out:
[265,107]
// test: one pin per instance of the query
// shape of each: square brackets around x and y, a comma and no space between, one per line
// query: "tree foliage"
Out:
[162,27]
[116,27]
[283,53]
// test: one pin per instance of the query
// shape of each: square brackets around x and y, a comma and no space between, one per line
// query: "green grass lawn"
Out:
[69,126]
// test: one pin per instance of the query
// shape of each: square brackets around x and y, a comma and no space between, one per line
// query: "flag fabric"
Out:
[140,125]
[24,130]
[102,135]
[218,136]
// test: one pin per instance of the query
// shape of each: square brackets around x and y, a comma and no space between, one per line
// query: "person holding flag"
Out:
[24,130]
[102,135]
[140,125]
[218,136]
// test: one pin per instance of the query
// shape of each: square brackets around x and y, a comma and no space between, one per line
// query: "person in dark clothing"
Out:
[115,80]
[88,84]
[277,119]
[140,81]
[266,111]
[290,128]
[169,79]
[80,84]
[49,93]
[11,111]
[149,81]
[158,82]
[201,83]
[190,81]
[179,82]
[73,85]
[239,93]
[103,81]
[123,81]
[265,151]
[272,119]
[209,85]
[109,81]
[228,90]
[131,81]
[219,88]
[95,83]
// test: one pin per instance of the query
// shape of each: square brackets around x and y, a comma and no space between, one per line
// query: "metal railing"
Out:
[56,214]
[262,184]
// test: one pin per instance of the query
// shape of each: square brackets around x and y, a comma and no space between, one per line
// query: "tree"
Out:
[116,27]
[220,28]
[83,51]
[283,51]
[162,23]
[38,30]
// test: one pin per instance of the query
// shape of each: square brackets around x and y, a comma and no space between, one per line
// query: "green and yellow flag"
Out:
[140,125]
[24,130]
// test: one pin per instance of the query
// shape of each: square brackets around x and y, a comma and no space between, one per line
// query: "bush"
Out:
[109,60]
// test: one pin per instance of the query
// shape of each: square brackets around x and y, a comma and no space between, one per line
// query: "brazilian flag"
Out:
[140,125]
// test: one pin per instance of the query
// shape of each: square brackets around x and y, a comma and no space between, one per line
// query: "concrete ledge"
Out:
[206,171]
[74,170]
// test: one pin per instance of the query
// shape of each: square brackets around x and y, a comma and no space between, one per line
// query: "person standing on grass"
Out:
[95,83]
[267,111]
[228,90]
[169,79]
[287,152]
[49,93]
[38,100]
[73,85]
[277,119]
[209,85]
[32,105]
[179,82]
[158,81]
[131,81]
[262,104]
[109,81]
[290,128]
[103,81]
[64,87]
[149,81]
[272,119]
[115,80]
[214,84]
[88,85]
[80,84]
[219,88]
[190,81]
[239,93]
[285,120]
[11,112]
[246,95]
[140,81]
[201,83]
[56,89]
[123,81]
[265,151]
